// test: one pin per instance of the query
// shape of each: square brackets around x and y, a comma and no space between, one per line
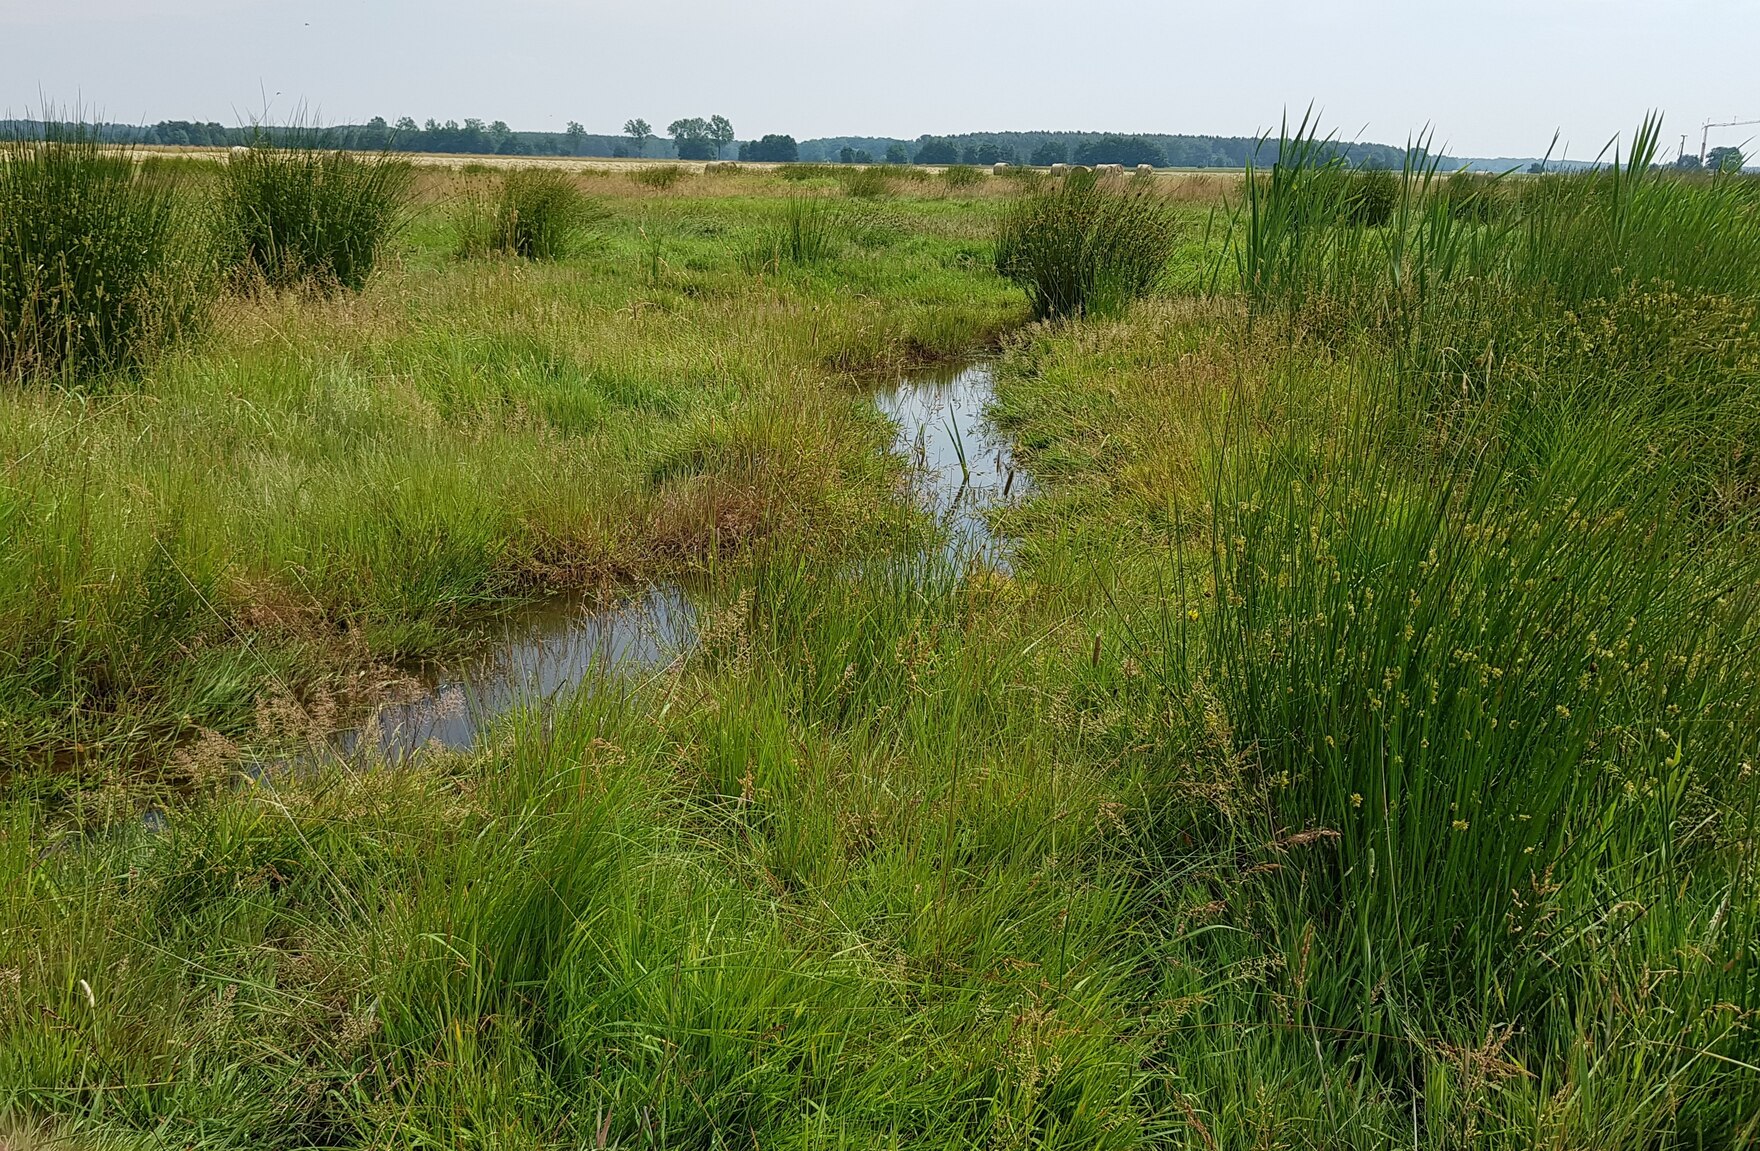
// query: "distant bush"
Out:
[805,233]
[296,212]
[535,213]
[662,176]
[802,172]
[1085,246]
[97,271]
[961,176]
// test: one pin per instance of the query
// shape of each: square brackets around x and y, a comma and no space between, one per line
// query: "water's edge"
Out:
[959,468]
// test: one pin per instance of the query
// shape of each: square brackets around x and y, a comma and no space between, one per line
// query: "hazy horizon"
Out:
[1496,81]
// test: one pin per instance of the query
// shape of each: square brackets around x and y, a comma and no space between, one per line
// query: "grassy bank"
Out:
[1358,751]
[324,480]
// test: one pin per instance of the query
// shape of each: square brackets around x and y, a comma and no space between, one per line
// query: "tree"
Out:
[772,149]
[1724,160]
[1050,152]
[846,155]
[720,131]
[575,134]
[407,124]
[639,132]
[896,154]
[933,151]
[692,138]
[863,156]
[1687,162]
[1127,150]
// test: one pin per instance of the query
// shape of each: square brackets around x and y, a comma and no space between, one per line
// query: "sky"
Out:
[1493,77]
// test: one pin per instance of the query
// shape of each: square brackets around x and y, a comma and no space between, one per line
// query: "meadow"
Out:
[1356,748]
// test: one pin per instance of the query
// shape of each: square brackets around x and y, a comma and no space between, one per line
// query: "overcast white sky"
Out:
[1496,77]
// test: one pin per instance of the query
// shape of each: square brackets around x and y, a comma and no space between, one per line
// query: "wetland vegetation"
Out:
[1343,736]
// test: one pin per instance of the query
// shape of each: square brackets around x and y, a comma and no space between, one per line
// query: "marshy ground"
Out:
[1344,738]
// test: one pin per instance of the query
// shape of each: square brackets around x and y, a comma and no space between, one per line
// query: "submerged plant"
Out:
[97,268]
[296,212]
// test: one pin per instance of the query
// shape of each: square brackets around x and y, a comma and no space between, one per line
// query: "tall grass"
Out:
[1085,245]
[1497,713]
[534,213]
[662,176]
[295,212]
[867,183]
[960,176]
[99,264]
[804,233]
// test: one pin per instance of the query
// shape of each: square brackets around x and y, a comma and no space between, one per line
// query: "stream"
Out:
[959,467]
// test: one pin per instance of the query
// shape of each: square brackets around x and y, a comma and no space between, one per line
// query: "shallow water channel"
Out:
[959,468]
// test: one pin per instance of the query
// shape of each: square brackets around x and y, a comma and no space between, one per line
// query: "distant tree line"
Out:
[712,137]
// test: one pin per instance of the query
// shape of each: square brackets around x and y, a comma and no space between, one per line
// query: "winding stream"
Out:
[959,468]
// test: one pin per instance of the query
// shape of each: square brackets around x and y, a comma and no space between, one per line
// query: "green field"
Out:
[1354,750]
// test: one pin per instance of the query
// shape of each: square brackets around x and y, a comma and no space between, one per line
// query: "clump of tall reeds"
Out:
[1498,714]
[960,175]
[537,214]
[804,233]
[97,268]
[296,212]
[1085,245]
[867,183]
[661,176]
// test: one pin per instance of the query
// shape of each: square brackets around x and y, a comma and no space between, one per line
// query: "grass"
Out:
[806,232]
[1357,749]
[661,176]
[323,484]
[1085,245]
[296,213]
[534,214]
[100,268]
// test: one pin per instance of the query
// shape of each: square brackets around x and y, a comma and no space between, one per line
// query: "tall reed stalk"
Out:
[98,268]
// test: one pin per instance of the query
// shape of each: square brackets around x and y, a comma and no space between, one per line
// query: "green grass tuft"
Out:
[295,212]
[534,213]
[1085,245]
[99,265]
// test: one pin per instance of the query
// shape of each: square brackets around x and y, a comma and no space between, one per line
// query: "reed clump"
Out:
[806,232]
[960,175]
[295,212]
[662,176]
[100,263]
[1085,245]
[867,183]
[535,214]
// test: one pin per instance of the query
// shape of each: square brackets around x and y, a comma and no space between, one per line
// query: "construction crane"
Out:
[1705,138]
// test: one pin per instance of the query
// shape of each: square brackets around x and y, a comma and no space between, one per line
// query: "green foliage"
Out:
[935,151]
[1084,245]
[867,183]
[1127,150]
[961,176]
[98,268]
[1725,159]
[295,212]
[772,149]
[806,232]
[535,213]
[662,176]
